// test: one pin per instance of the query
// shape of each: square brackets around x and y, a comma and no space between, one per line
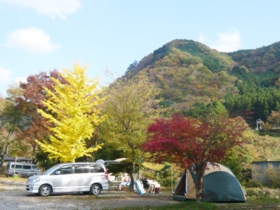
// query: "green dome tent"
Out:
[219,185]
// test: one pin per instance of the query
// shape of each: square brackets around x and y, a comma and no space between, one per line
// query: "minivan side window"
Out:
[64,170]
[26,167]
[35,168]
[19,166]
[79,169]
[96,168]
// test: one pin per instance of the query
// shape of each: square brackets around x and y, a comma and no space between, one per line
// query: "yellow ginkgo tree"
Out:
[73,109]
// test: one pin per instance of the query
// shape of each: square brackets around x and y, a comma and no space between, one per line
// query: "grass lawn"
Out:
[13,178]
[266,199]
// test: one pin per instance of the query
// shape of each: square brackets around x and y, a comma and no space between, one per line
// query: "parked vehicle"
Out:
[86,177]
[22,169]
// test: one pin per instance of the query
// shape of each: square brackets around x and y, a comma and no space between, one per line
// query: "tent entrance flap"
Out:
[180,189]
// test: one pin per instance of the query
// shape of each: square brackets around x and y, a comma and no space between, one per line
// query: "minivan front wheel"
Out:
[95,189]
[45,190]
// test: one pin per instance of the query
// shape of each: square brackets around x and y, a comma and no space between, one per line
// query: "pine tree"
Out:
[277,106]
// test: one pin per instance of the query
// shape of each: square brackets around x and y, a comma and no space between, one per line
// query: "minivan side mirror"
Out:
[57,172]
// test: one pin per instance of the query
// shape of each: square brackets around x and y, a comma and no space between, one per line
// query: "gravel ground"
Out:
[14,197]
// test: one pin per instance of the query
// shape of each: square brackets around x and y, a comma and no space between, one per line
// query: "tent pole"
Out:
[171,179]
[139,172]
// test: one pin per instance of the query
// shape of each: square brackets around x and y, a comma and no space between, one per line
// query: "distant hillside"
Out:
[259,60]
[189,73]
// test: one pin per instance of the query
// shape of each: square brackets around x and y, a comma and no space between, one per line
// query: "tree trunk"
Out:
[3,152]
[2,160]
[34,150]
[198,183]
[131,186]
[131,173]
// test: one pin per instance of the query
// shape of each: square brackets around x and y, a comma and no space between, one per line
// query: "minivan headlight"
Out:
[37,179]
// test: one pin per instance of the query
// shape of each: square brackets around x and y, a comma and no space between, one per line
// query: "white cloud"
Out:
[32,40]
[228,41]
[52,8]
[20,79]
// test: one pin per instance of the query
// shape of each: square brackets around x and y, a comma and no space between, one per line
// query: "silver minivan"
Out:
[86,177]
[22,169]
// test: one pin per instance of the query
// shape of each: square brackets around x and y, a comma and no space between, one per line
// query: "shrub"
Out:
[273,178]
[257,193]
[166,182]
[252,184]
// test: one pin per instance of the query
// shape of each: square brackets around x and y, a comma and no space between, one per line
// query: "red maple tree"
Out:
[187,141]
[35,126]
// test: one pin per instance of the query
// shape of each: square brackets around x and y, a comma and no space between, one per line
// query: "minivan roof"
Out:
[77,163]
[22,163]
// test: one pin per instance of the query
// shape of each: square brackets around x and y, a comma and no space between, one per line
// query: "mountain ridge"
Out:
[188,72]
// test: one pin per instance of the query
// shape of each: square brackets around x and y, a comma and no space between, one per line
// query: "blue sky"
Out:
[43,35]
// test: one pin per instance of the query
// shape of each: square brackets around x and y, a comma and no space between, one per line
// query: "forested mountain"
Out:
[188,72]
[259,60]
[192,76]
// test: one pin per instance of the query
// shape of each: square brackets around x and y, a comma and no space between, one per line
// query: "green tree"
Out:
[129,108]
[239,160]
[10,120]
[274,119]
[205,112]
[74,110]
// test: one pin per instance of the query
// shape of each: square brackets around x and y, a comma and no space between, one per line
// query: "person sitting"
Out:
[125,178]
[125,181]
[152,186]
[146,184]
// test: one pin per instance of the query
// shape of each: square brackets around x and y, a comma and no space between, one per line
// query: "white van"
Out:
[70,177]
[22,169]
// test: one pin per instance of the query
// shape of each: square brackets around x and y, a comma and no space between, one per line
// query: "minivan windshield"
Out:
[50,169]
